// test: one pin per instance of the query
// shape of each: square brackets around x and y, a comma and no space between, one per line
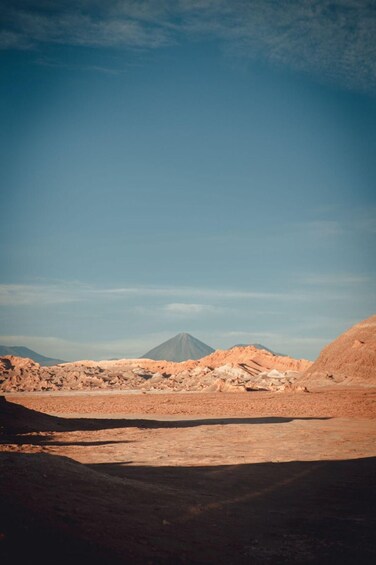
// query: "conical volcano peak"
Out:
[179,348]
[184,336]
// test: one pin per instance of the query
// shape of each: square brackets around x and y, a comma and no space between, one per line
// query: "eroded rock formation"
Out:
[238,369]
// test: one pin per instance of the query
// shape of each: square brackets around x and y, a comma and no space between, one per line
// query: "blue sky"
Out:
[186,166]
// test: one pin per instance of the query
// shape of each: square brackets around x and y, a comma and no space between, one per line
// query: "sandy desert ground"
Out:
[189,478]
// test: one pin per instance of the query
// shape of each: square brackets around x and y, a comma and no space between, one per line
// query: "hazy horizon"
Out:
[202,167]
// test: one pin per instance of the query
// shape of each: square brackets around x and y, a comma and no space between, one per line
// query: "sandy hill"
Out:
[348,360]
[179,348]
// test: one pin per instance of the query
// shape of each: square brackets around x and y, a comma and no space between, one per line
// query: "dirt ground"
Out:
[188,478]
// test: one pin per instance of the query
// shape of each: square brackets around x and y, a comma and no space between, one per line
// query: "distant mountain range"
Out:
[258,346]
[21,351]
[182,347]
[179,348]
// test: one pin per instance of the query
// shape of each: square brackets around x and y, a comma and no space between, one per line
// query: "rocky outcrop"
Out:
[19,374]
[253,357]
[22,351]
[238,369]
[349,360]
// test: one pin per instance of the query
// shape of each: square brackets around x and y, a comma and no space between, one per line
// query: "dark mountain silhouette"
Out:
[179,348]
[21,351]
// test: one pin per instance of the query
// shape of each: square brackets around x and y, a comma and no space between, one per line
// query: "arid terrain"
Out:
[237,369]
[189,478]
[240,457]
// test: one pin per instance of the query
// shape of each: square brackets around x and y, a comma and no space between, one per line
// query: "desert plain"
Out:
[257,477]
[242,457]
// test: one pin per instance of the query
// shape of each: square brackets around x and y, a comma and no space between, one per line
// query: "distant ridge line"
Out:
[25,352]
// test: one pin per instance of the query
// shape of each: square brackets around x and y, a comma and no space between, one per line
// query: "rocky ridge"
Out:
[238,369]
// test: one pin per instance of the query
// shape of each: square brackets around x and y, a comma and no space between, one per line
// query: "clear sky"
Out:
[200,166]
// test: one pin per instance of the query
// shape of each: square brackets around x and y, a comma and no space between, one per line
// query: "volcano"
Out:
[179,348]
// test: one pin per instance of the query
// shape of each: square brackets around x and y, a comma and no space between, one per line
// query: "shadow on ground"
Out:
[55,510]
[58,510]
[17,419]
